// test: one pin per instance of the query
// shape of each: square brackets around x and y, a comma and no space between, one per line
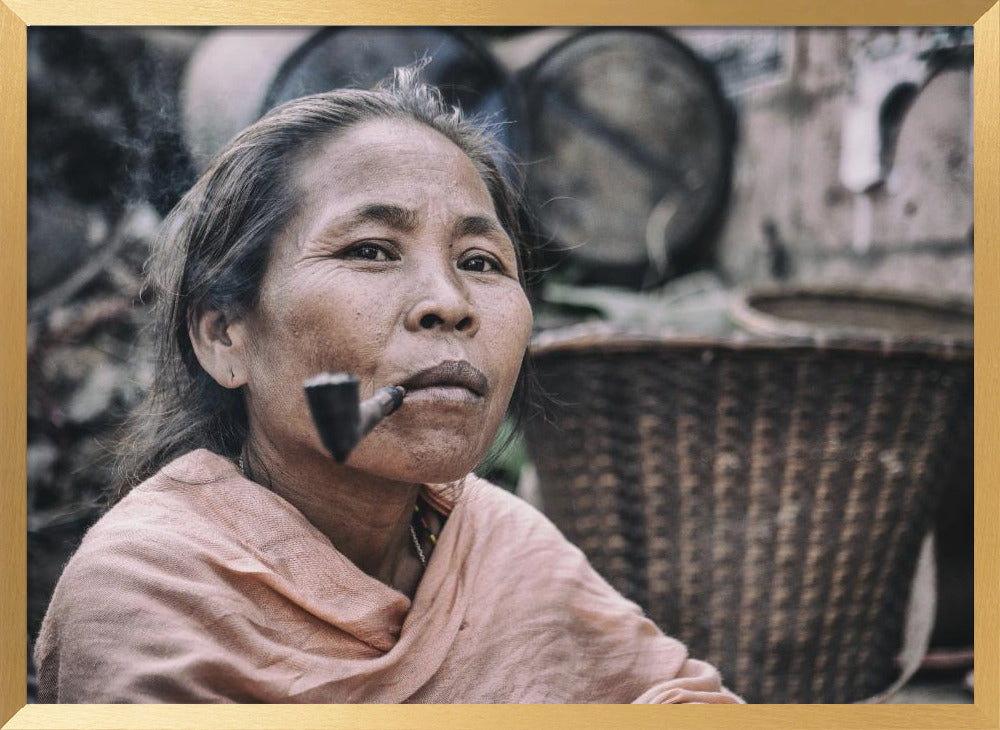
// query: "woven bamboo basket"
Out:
[764,499]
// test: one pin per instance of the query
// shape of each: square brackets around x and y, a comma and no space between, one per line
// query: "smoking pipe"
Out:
[341,417]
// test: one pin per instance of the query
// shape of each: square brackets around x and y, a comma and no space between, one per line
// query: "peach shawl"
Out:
[202,586]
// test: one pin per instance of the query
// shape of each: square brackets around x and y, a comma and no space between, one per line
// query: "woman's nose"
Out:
[443,305]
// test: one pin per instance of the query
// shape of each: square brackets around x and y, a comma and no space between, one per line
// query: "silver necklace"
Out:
[416,544]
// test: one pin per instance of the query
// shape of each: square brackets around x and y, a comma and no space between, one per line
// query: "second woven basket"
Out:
[764,501]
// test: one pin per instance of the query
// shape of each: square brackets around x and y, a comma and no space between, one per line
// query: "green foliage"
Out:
[506,458]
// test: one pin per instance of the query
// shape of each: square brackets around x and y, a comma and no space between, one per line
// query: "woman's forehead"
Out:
[390,162]
[379,152]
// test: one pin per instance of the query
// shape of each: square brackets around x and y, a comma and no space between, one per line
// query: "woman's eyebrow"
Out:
[479,225]
[393,216]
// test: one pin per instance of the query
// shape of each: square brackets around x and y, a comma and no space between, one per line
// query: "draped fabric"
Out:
[203,586]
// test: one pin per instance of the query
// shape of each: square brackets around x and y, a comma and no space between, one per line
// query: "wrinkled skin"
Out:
[383,301]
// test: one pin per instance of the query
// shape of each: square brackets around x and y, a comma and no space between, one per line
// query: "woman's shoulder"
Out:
[482,497]
[504,515]
[166,502]
[150,524]
[166,522]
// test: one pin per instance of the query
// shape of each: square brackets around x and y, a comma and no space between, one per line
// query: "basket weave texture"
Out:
[764,505]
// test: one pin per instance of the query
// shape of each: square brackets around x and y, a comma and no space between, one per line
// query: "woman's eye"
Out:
[480,263]
[369,252]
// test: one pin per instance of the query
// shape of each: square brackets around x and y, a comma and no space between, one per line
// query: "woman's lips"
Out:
[443,394]
[452,381]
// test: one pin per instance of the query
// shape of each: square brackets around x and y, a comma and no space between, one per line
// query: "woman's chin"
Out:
[424,463]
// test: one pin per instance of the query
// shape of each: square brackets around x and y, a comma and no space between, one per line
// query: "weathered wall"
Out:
[911,232]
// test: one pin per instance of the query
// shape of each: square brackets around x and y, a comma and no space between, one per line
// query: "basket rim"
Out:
[743,312]
[579,339]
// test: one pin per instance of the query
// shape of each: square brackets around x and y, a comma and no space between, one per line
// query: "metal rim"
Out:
[528,81]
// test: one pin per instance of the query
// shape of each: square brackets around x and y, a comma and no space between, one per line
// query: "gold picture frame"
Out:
[16,15]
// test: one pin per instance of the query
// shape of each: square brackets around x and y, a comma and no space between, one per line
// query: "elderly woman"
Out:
[369,232]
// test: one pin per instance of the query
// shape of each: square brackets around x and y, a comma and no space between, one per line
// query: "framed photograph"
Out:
[897,209]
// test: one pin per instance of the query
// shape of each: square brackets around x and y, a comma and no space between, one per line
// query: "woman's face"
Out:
[397,270]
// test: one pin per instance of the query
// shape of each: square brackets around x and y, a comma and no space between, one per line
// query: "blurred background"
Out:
[753,307]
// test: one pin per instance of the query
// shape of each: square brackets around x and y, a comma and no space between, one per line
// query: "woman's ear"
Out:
[219,344]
